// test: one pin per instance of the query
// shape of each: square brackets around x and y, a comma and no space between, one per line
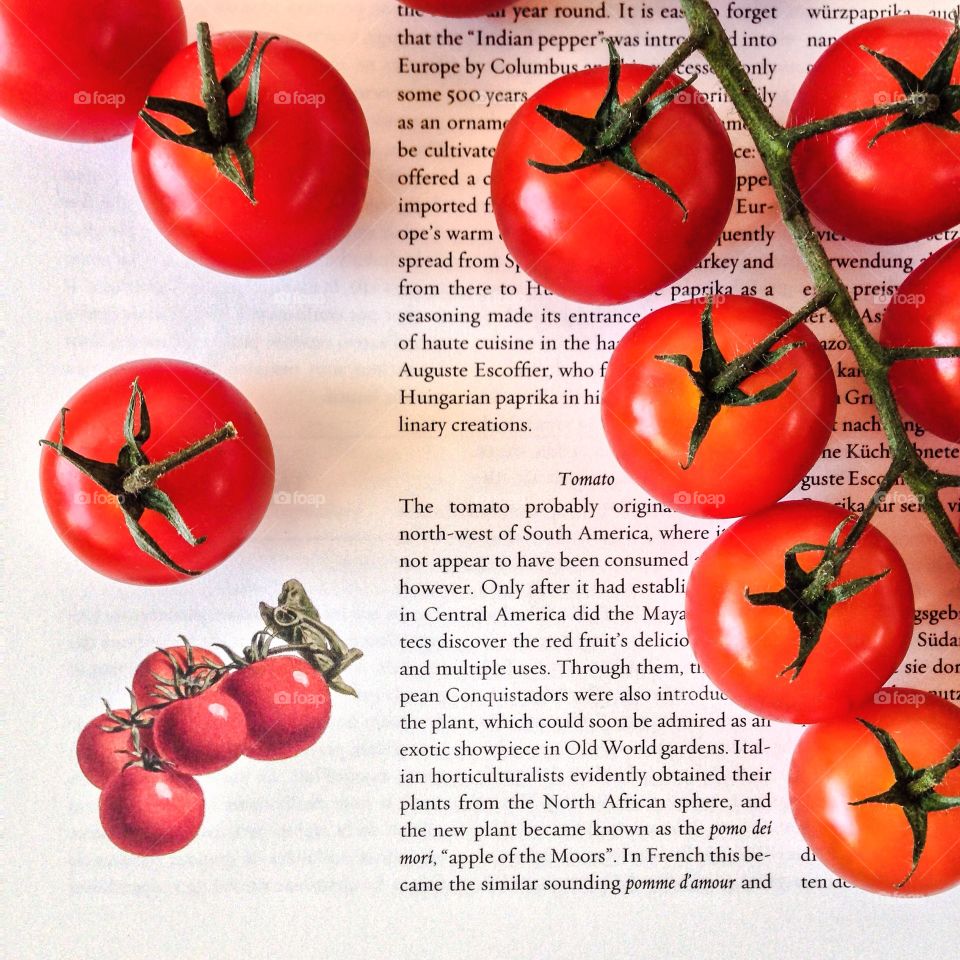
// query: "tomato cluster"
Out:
[193,714]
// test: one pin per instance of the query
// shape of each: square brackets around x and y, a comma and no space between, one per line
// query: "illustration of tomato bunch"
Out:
[192,713]
[610,184]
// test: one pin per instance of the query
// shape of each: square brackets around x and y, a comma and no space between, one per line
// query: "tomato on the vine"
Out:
[104,748]
[865,183]
[925,312]
[190,518]
[747,455]
[80,71]
[784,634]
[151,812]
[201,734]
[457,8]
[286,703]
[879,802]
[610,226]
[268,189]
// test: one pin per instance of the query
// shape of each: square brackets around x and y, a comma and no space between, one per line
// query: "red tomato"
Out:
[201,734]
[751,456]
[311,151]
[457,8]
[859,190]
[156,668]
[221,495]
[101,754]
[151,812]
[925,312]
[599,235]
[286,703]
[745,649]
[839,763]
[81,71]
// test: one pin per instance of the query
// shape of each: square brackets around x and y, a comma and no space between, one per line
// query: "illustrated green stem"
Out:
[144,476]
[774,144]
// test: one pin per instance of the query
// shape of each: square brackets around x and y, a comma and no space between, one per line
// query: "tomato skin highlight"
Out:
[312,155]
[286,704]
[925,312]
[599,235]
[102,755]
[859,191]
[81,71]
[751,456]
[151,813]
[201,734]
[456,8]
[743,648]
[156,664]
[221,495]
[871,845]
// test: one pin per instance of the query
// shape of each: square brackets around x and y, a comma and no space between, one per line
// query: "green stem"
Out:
[211,91]
[921,353]
[146,475]
[774,146]
[917,104]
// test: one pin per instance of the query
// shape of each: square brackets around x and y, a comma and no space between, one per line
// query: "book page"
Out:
[535,763]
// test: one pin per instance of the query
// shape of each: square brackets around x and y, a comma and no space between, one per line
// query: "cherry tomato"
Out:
[456,8]
[837,764]
[749,650]
[311,152]
[151,812]
[221,495]
[81,71]
[925,312]
[861,191]
[156,668]
[201,734]
[599,234]
[286,703]
[751,456]
[102,754]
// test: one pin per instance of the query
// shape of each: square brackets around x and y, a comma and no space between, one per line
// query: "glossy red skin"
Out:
[924,313]
[839,762]
[64,66]
[456,8]
[905,187]
[201,734]
[286,703]
[751,456]
[155,665]
[743,648]
[102,755]
[222,495]
[311,164]
[151,813]
[599,235]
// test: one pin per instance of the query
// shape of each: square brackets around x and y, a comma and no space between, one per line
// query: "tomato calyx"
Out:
[931,98]
[135,721]
[132,479]
[808,595]
[719,379]
[913,790]
[608,135]
[212,129]
[187,679]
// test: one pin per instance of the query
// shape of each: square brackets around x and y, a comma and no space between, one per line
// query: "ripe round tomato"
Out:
[201,734]
[81,71]
[156,668]
[456,8]
[925,312]
[861,191]
[839,763]
[151,812]
[102,754]
[311,152]
[748,650]
[286,703]
[751,455]
[599,234]
[221,495]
